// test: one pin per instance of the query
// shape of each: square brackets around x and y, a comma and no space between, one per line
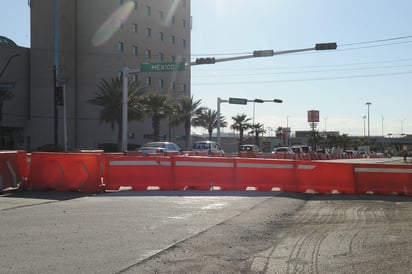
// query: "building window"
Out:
[135,78]
[148,32]
[161,57]
[161,14]
[172,39]
[120,75]
[172,86]
[161,84]
[134,27]
[173,59]
[183,43]
[148,81]
[161,36]
[183,23]
[135,5]
[135,50]
[121,2]
[148,53]
[120,46]
[184,87]
[184,3]
[148,10]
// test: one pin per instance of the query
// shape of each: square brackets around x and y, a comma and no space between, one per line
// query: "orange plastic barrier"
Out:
[10,174]
[204,173]
[324,177]
[138,173]
[66,172]
[383,179]
[265,175]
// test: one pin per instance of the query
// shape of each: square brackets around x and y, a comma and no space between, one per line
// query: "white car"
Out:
[210,146]
[159,147]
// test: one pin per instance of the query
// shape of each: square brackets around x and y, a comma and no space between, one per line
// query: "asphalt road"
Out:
[204,232]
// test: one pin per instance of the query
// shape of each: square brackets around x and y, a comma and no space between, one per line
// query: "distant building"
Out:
[94,40]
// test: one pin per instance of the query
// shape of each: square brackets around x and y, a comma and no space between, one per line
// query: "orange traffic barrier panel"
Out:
[324,177]
[383,179]
[66,172]
[137,173]
[203,173]
[265,175]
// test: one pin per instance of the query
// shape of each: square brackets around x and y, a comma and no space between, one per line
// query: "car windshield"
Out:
[154,144]
[201,146]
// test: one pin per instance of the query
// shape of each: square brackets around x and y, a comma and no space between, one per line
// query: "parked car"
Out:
[159,147]
[210,146]
[249,147]
[283,150]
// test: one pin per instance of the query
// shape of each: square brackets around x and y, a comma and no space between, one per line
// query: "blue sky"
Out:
[373,62]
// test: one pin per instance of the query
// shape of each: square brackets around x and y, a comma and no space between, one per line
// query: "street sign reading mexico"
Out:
[162,67]
[7,85]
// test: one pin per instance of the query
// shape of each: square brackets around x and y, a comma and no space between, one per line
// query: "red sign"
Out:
[313,116]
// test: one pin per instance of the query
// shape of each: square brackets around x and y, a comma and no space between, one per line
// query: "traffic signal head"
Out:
[326,46]
[277,101]
[208,60]
[263,53]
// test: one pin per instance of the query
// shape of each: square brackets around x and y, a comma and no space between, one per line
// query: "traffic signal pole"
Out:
[256,53]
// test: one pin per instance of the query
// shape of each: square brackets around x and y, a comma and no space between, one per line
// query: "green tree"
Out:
[109,98]
[156,106]
[257,129]
[208,120]
[189,112]
[241,123]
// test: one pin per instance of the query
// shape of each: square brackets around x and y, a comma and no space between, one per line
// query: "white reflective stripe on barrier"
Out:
[307,167]
[253,165]
[382,170]
[203,164]
[139,163]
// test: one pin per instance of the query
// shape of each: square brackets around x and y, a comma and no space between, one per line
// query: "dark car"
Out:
[248,147]
[159,147]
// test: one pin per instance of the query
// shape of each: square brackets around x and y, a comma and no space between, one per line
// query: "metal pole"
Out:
[124,108]
[369,129]
[65,118]
[218,120]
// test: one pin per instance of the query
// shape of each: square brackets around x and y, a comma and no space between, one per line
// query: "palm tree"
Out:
[156,105]
[257,129]
[109,97]
[208,120]
[189,111]
[241,123]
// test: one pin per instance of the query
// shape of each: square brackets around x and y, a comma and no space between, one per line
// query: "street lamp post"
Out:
[402,127]
[369,129]
[364,125]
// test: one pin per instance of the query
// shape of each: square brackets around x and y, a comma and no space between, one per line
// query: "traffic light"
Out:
[326,46]
[59,96]
[258,101]
[263,53]
[208,60]
[277,101]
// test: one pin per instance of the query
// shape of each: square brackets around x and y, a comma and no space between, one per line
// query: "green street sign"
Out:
[238,101]
[162,67]
[7,85]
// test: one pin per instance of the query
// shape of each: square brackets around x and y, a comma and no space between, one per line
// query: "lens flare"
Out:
[112,24]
